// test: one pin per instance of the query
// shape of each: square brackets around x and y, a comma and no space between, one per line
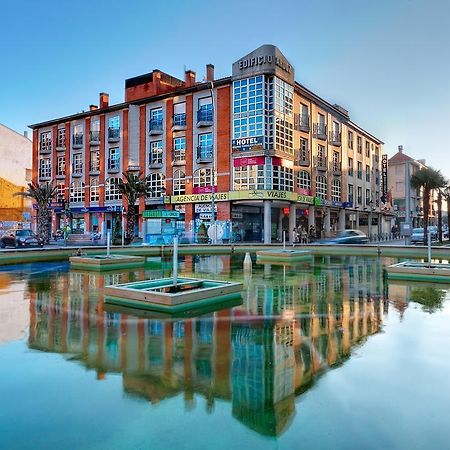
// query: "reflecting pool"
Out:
[325,354]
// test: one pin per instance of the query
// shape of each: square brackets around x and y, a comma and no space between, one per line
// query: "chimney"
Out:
[25,133]
[209,72]
[189,78]
[104,100]
[93,107]
[400,148]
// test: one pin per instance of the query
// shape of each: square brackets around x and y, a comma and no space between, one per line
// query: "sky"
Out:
[386,61]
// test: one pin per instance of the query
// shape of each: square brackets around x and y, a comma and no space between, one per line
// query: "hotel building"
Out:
[274,155]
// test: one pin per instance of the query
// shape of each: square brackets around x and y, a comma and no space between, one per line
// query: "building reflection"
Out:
[293,326]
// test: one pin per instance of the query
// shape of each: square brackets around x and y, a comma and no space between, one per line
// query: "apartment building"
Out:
[258,148]
[398,179]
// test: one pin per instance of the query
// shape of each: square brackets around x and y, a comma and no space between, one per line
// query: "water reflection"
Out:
[293,325]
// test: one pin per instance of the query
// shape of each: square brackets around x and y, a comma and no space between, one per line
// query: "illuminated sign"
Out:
[384,176]
[160,214]
[248,144]
[199,198]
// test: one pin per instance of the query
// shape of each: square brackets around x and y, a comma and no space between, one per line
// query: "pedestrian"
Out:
[294,235]
[303,236]
[312,233]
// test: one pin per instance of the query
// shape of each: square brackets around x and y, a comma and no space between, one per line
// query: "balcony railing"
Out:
[320,131]
[205,117]
[178,157]
[113,165]
[113,134]
[320,162]
[204,153]
[94,137]
[334,138]
[155,126]
[304,157]
[179,121]
[77,141]
[302,122]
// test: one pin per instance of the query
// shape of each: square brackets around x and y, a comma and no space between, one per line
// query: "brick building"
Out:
[274,154]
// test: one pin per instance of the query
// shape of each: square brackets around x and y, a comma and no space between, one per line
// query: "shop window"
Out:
[248,178]
[77,192]
[321,186]
[304,180]
[156,185]
[112,189]
[179,182]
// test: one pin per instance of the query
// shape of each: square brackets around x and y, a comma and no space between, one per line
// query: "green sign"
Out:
[161,214]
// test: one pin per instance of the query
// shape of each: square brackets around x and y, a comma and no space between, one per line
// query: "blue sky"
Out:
[386,61]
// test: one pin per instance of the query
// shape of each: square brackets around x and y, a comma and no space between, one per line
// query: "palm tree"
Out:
[132,187]
[42,195]
[427,179]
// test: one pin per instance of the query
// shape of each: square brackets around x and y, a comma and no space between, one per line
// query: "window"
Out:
[284,98]
[284,135]
[282,178]
[367,149]
[77,164]
[359,170]
[359,144]
[321,156]
[304,180]
[156,185]
[303,120]
[377,154]
[350,139]
[321,186]
[61,142]
[304,150]
[114,127]
[94,133]
[350,167]
[60,165]
[179,149]
[156,153]
[202,178]
[368,199]
[112,189]
[61,193]
[94,163]
[114,158]
[156,119]
[336,162]
[77,134]
[336,190]
[248,107]
[359,195]
[367,173]
[205,145]
[45,168]
[179,114]
[350,193]
[77,192]
[45,142]
[248,177]
[179,182]
[377,177]
[94,190]
[205,109]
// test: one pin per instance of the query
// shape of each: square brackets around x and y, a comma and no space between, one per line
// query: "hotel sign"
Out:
[384,176]
[248,144]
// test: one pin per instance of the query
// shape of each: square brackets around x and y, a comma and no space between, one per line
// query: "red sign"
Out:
[285,211]
[203,190]
[251,161]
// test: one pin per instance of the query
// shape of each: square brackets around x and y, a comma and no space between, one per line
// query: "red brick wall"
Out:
[101,178]
[223,138]
[169,148]
[142,152]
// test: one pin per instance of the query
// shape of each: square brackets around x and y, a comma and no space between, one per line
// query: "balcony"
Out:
[94,137]
[205,117]
[155,126]
[113,165]
[304,157]
[320,162]
[178,158]
[320,131]
[179,122]
[113,134]
[336,168]
[334,138]
[46,148]
[77,141]
[204,154]
[302,122]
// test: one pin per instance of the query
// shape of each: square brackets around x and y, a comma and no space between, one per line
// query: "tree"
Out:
[427,179]
[132,187]
[42,194]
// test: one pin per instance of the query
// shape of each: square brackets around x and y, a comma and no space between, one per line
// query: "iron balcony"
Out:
[179,121]
[304,157]
[320,131]
[302,122]
[205,117]
[335,138]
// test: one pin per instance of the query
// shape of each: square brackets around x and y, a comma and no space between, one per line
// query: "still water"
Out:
[324,355]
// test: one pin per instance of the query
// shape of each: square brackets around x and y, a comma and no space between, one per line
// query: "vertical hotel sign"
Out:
[384,180]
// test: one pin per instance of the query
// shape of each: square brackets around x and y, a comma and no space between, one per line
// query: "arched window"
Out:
[94,190]
[156,185]
[112,189]
[77,192]
[304,180]
[321,186]
[202,177]
[336,190]
[179,182]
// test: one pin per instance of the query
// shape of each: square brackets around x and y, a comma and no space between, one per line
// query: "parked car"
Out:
[417,236]
[347,237]
[19,238]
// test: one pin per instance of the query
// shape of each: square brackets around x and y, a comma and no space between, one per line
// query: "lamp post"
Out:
[123,225]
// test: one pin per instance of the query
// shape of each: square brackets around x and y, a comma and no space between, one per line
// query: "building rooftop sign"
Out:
[266,59]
